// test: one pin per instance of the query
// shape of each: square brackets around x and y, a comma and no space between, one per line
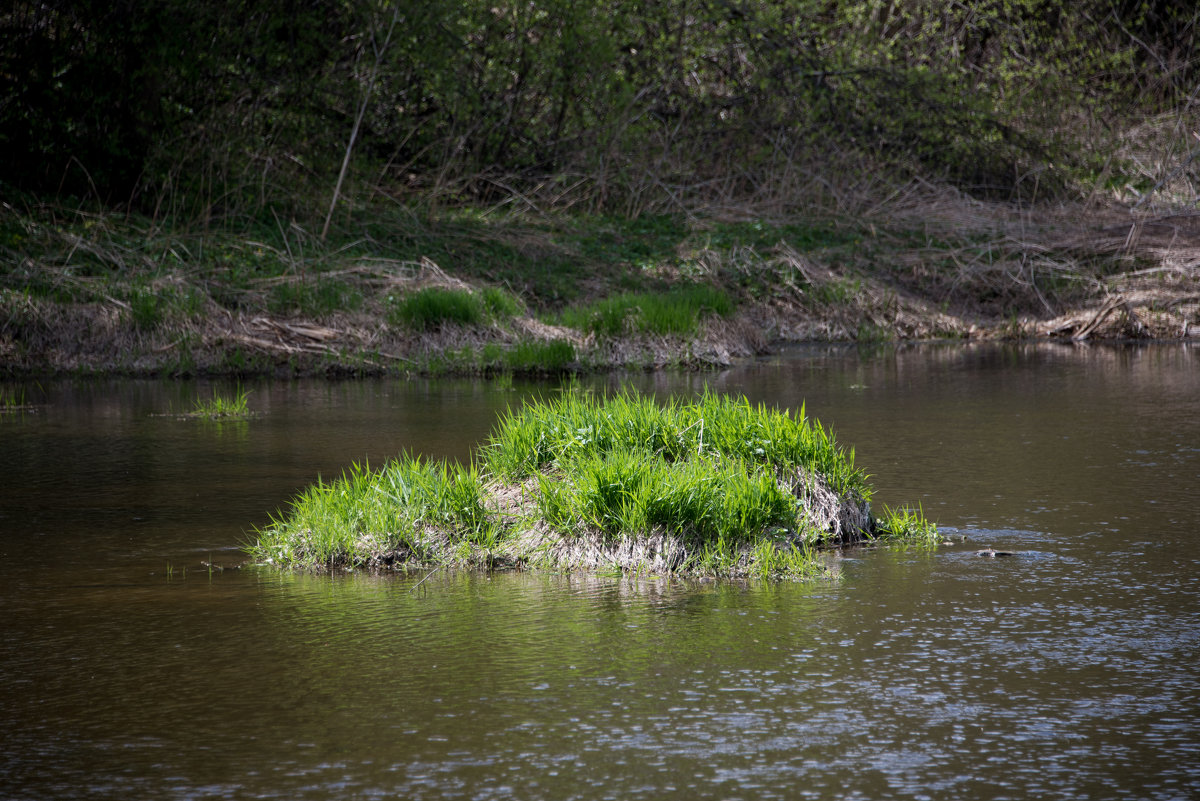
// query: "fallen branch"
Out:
[1109,306]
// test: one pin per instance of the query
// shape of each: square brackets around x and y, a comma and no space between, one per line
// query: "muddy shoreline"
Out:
[96,339]
[948,269]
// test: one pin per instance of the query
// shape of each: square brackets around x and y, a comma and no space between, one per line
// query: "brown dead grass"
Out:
[990,270]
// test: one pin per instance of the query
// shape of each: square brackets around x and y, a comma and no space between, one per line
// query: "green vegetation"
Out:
[906,524]
[715,487]
[677,311]
[410,510]
[13,399]
[430,309]
[575,425]
[318,298]
[627,493]
[222,407]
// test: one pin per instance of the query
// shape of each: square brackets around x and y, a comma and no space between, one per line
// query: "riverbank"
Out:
[468,292]
[711,488]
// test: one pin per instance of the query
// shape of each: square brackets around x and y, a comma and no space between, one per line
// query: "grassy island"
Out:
[714,488]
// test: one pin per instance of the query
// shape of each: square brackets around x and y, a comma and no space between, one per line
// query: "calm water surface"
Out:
[1071,670]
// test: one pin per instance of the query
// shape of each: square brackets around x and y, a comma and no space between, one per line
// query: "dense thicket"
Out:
[231,107]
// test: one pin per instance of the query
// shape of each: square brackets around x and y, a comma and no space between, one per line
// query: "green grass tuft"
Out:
[146,309]
[575,424]
[219,407]
[316,298]
[677,312]
[12,398]
[430,309]
[627,493]
[906,524]
[501,304]
[409,507]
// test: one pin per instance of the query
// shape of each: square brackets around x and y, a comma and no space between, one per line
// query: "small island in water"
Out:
[716,487]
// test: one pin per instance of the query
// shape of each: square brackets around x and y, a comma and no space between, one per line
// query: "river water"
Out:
[130,669]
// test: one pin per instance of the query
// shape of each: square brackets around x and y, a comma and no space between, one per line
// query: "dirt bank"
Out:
[934,267]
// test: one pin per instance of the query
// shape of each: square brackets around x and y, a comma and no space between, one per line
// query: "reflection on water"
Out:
[1067,670]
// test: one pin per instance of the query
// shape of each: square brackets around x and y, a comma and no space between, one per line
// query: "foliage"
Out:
[116,100]
[11,398]
[314,297]
[675,312]
[562,102]
[499,303]
[906,524]
[548,358]
[627,492]
[433,307]
[145,308]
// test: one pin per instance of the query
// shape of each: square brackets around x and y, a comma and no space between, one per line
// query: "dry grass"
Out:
[990,269]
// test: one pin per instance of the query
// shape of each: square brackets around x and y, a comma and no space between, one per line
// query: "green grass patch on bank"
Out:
[714,487]
[432,308]
[314,298]
[675,312]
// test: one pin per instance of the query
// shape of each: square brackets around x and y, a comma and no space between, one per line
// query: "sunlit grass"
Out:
[222,407]
[575,424]
[410,507]
[623,492]
[715,480]
[906,523]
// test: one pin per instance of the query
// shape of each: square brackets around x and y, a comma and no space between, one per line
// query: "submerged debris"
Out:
[992,553]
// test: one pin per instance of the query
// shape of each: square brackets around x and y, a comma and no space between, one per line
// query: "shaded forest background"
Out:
[233,110]
[457,186]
